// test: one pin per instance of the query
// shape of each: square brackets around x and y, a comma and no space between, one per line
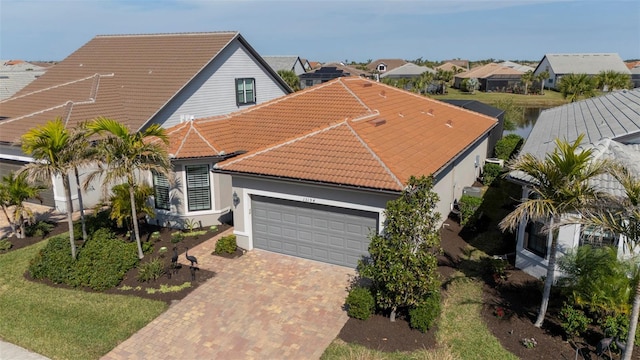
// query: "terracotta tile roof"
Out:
[632,64]
[347,131]
[487,70]
[126,77]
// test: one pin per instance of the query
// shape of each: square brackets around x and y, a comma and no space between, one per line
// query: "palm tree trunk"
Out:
[67,193]
[633,325]
[134,217]
[551,269]
[80,204]
[21,234]
[12,225]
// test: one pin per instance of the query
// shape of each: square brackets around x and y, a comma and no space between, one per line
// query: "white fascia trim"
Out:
[17,158]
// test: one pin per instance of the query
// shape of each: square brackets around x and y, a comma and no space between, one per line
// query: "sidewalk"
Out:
[41,213]
[9,351]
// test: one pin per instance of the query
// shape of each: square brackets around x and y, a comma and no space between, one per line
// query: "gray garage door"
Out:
[324,233]
[6,166]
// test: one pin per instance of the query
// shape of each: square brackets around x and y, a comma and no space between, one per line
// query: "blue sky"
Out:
[324,31]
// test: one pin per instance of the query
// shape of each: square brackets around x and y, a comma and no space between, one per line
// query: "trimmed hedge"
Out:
[360,303]
[101,263]
[425,314]
[507,146]
[226,245]
[490,172]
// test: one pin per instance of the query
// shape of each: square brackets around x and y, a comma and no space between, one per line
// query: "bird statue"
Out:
[605,344]
[190,257]
[174,258]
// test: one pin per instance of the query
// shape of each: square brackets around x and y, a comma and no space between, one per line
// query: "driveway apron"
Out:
[261,305]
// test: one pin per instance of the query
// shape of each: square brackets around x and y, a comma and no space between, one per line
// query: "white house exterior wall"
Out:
[213,92]
[544,65]
[246,187]
[221,203]
[298,68]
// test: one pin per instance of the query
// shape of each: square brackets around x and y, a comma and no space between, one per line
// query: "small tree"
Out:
[403,260]
[290,78]
[14,191]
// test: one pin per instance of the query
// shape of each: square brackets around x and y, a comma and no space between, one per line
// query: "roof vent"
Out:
[383,94]
[367,84]
[377,122]
[430,112]
[450,123]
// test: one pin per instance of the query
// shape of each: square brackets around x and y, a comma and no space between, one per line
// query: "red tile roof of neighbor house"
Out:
[349,131]
[124,77]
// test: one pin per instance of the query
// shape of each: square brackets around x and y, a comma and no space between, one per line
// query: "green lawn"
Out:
[549,99]
[61,323]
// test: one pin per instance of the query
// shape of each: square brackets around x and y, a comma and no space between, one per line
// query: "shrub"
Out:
[490,172]
[618,326]
[573,321]
[468,206]
[191,224]
[151,270]
[94,222]
[423,316]
[213,228]
[5,244]
[226,245]
[507,146]
[54,261]
[103,261]
[176,237]
[39,229]
[147,247]
[155,235]
[360,303]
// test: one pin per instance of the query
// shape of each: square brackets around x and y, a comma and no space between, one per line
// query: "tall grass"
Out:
[62,323]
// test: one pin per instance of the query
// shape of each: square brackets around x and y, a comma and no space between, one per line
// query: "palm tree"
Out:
[621,216]
[290,78]
[527,79]
[560,185]
[125,153]
[574,86]
[14,191]
[120,203]
[51,146]
[611,80]
[542,77]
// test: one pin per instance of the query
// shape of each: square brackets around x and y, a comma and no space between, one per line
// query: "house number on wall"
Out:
[308,199]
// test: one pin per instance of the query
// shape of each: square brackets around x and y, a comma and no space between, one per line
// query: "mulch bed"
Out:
[173,277]
[519,297]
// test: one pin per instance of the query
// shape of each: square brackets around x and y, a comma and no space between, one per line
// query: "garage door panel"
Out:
[318,232]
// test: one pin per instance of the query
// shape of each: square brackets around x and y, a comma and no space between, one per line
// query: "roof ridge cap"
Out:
[32,114]
[203,138]
[375,156]
[354,94]
[290,141]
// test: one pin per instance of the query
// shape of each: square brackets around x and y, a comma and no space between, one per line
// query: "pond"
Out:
[524,128]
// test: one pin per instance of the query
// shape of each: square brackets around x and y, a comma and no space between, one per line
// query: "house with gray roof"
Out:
[407,71]
[611,127]
[15,75]
[288,63]
[559,65]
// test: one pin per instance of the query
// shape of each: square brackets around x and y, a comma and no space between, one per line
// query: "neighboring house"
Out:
[482,108]
[16,74]
[459,63]
[611,125]
[138,80]
[309,174]
[491,77]
[288,63]
[407,71]
[329,72]
[516,66]
[635,76]
[451,67]
[559,65]
[381,66]
[306,64]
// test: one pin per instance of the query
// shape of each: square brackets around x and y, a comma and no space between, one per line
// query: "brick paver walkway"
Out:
[259,306]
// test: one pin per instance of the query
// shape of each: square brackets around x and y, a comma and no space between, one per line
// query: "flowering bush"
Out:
[529,343]
[499,312]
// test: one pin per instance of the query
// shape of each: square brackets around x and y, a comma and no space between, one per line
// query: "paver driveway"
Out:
[259,306]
